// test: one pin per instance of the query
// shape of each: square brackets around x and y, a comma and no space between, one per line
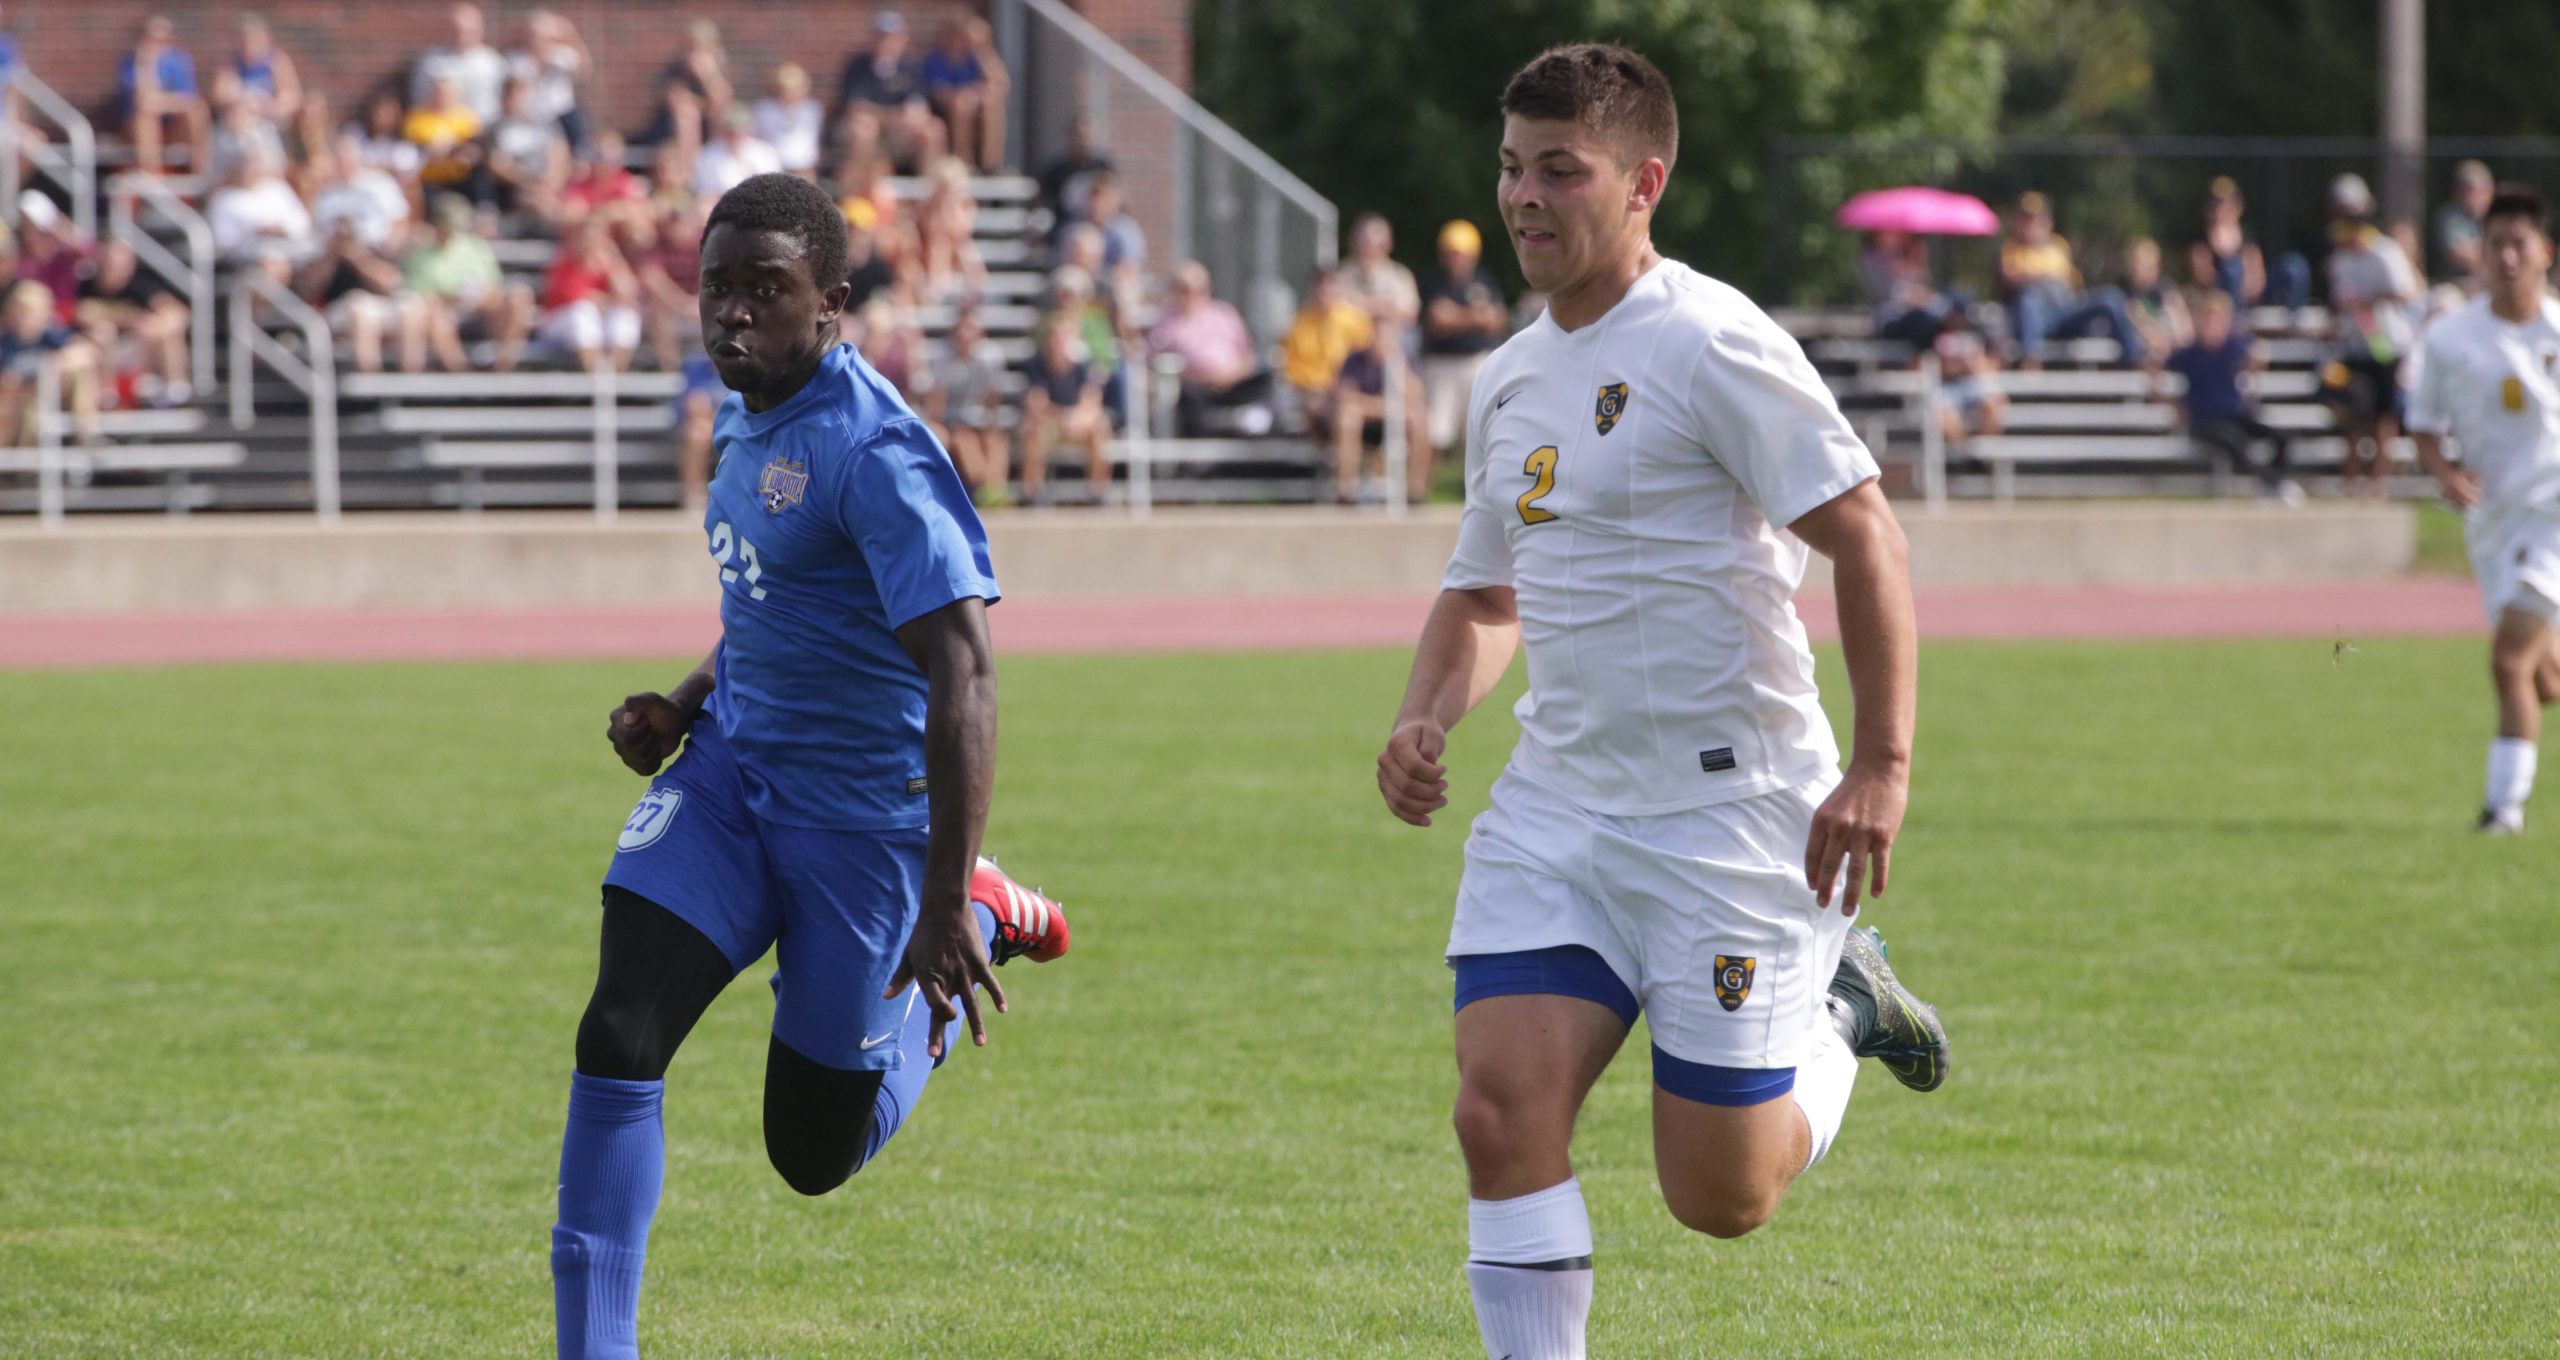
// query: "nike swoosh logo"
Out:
[878,1039]
[1498,403]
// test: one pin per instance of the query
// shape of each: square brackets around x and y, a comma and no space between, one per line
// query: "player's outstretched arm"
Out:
[2459,484]
[945,956]
[1871,580]
[646,729]
[1466,646]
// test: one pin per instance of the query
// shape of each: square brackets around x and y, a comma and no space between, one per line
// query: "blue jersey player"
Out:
[837,753]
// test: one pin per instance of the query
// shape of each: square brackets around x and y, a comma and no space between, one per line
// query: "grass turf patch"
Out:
[2255,1046]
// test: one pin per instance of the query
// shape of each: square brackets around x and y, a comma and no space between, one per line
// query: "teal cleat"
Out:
[1882,1019]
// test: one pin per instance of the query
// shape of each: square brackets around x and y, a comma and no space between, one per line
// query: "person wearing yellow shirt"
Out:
[2043,289]
[1329,328]
[444,128]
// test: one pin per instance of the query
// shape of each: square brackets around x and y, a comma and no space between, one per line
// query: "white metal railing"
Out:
[603,388]
[1223,201]
[51,466]
[193,275]
[74,164]
[314,372]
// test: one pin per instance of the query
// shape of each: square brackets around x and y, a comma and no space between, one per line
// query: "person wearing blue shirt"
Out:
[837,752]
[156,86]
[2216,407]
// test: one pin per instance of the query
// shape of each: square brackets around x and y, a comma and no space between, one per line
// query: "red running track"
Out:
[1274,623]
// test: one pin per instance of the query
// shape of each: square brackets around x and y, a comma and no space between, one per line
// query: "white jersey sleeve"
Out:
[1483,556]
[1762,411]
[2430,403]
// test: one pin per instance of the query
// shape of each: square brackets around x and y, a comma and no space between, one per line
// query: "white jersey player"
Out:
[1646,465]
[2489,379]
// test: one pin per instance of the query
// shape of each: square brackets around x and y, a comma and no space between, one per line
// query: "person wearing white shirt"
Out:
[792,121]
[355,192]
[261,220]
[1648,466]
[730,159]
[2489,381]
[477,70]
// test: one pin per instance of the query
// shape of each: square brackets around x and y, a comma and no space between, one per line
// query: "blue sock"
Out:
[612,1159]
[901,1089]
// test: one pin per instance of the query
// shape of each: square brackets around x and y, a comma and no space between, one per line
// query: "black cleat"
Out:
[1882,1019]
[2491,824]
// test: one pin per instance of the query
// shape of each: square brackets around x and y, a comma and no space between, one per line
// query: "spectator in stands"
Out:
[240,130]
[1082,248]
[1463,319]
[864,196]
[528,159]
[965,81]
[446,133]
[1062,400]
[667,258]
[1894,267]
[259,220]
[891,339]
[1076,307]
[2216,407]
[949,265]
[2371,287]
[591,300]
[694,91]
[880,100]
[348,190]
[2043,289]
[961,393]
[553,59]
[729,159]
[2158,311]
[155,89]
[1360,405]
[1065,181]
[671,179]
[603,186]
[1219,369]
[2227,259]
[1376,281]
[1969,400]
[386,145]
[122,303]
[2458,259]
[29,335]
[867,270]
[476,71]
[266,74]
[1328,328]
[457,275]
[361,294]
[792,121]
[51,251]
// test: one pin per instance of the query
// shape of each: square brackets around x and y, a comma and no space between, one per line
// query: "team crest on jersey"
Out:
[1613,404]
[1733,980]
[783,484]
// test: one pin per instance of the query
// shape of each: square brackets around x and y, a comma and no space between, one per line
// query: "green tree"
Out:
[1392,107]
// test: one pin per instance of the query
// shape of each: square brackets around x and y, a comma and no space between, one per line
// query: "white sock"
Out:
[2511,762]
[1529,1268]
[1822,1085]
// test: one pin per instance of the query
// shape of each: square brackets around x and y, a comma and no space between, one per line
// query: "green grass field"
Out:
[2257,1049]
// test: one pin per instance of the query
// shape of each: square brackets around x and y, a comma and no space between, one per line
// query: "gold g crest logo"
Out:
[1733,980]
[1613,403]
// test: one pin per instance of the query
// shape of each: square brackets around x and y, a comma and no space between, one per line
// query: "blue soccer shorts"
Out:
[837,906]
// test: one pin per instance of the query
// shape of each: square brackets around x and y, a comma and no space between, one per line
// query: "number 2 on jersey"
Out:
[1541,465]
[726,546]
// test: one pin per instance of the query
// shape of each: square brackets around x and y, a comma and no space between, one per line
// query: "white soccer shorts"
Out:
[1705,914]
[2517,564]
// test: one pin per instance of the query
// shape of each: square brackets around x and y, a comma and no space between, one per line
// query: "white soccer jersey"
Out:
[2494,388]
[1630,480]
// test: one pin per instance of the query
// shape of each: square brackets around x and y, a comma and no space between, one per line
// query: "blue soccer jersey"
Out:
[835,519]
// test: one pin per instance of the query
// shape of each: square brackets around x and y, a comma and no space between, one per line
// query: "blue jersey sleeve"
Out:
[903,503]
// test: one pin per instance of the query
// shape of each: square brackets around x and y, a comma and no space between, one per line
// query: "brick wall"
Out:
[347,49]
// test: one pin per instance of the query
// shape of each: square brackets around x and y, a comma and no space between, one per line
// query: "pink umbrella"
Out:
[1920,210]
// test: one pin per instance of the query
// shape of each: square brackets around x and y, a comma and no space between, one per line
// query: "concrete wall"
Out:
[536,560]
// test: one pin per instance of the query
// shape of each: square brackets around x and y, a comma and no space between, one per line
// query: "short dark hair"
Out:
[2518,200]
[790,206]
[1604,87]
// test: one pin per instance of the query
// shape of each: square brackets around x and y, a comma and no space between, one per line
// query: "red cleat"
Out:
[1028,925]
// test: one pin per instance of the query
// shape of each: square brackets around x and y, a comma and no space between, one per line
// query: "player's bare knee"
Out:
[1493,1131]
[1725,1212]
